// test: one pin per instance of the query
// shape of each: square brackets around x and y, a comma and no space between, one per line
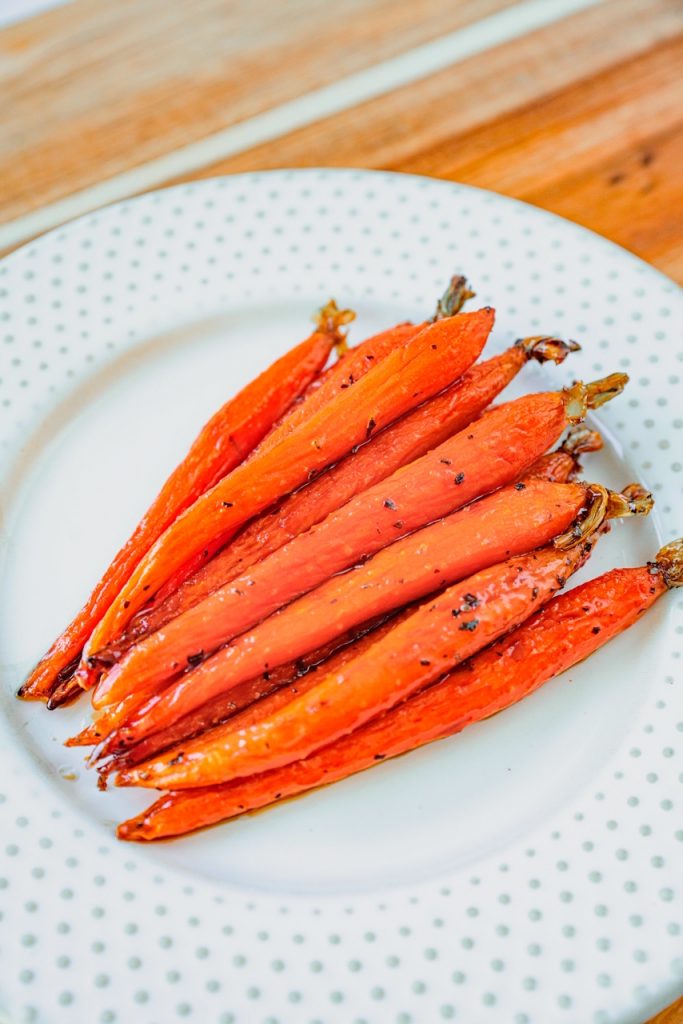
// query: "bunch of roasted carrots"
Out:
[352,560]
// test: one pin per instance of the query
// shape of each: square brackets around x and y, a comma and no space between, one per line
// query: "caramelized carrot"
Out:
[435,357]
[556,466]
[254,699]
[353,364]
[570,628]
[486,455]
[220,446]
[404,441]
[356,362]
[440,634]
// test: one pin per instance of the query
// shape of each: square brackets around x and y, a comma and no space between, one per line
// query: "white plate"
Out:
[526,871]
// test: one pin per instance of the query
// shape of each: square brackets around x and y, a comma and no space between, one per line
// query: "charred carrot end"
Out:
[634,500]
[580,397]
[581,439]
[454,298]
[330,320]
[64,693]
[669,562]
[546,349]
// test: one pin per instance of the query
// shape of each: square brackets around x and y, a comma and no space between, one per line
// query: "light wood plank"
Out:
[522,122]
[672,1015]
[94,88]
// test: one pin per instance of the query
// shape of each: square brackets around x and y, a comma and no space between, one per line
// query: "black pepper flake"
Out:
[369,356]
[455,612]
[459,477]
[561,580]
[520,486]
[206,552]
[470,626]
[470,436]
[398,525]
[228,504]
[177,759]
[300,666]
[126,604]
[585,608]
[380,757]
[534,593]
[266,676]
[446,462]
[195,659]
[470,601]
[388,503]
[370,427]
[434,347]
[596,630]
[146,586]
[425,661]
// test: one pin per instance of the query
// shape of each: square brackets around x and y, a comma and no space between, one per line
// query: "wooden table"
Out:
[574,105]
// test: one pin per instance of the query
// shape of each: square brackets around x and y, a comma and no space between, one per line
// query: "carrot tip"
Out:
[669,561]
[580,397]
[546,349]
[454,298]
[580,439]
[634,500]
[330,320]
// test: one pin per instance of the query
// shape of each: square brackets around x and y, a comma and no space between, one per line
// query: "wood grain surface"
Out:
[582,117]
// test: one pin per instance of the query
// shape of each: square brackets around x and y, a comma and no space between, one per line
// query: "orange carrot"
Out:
[254,699]
[407,376]
[353,364]
[489,453]
[570,628]
[220,446]
[507,523]
[443,632]
[557,467]
[404,441]
[356,362]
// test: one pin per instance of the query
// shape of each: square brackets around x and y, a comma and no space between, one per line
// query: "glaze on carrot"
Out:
[253,700]
[556,466]
[402,442]
[569,629]
[221,445]
[488,454]
[441,633]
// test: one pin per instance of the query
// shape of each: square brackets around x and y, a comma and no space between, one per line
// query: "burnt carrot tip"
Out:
[547,349]
[603,505]
[330,319]
[669,561]
[580,397]
[580,439]
[634,500]
[454,298]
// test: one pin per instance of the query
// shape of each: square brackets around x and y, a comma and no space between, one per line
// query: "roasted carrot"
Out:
[440,634]
[220,446]
[508,522]
[402,442]
[556,466]
[570,628]
[356,362]
[439,354]
[488,454]
[255,699]
[563,463]
[353,364]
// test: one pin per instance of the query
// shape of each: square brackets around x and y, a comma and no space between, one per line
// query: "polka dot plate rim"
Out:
[463,882]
